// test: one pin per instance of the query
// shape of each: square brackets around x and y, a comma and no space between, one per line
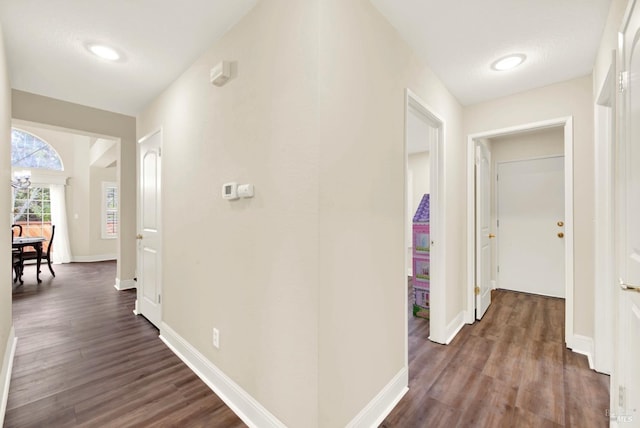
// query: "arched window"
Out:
[29,151]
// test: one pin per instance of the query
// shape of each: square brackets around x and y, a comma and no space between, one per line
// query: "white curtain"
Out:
[61,246]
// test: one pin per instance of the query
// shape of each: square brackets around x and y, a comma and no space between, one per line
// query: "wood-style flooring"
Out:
[83,359]
[509,370]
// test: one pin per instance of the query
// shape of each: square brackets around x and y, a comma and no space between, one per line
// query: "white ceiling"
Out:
[458,39]
[46,46]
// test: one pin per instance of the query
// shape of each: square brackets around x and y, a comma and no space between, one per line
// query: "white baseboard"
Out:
[125,284]
[379,408]
[94,258]
[582,345]
[239,401]
[454,327]
[5,373]
[494,284]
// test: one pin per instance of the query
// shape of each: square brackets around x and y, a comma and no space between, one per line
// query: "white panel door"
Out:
[531,256]
[627,367]
[483,230]
[149,209]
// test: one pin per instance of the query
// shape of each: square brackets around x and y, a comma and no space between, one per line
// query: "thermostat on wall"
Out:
[230,191]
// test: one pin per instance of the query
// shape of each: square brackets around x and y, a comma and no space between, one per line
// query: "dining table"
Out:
[20,242]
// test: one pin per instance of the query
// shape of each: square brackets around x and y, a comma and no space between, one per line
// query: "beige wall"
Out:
[570,98]
[5,207]
[251,270]
[62,114]
[307,335]
[366,67]
[526,145]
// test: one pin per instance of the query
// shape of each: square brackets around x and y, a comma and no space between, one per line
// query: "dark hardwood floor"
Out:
[83,359]
[509,370]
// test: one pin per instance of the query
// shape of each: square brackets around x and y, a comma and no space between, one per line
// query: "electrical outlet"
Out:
[216,338]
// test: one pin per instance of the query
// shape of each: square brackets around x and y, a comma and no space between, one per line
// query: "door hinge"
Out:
[159,151]
[621,394]
[622,81]
[476,290]
[159,299]
[498,267]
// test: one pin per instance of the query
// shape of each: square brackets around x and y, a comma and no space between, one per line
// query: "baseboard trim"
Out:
[5,374]
[582,345]
[94,258]
[125,284]
[239,401]
[454,327]
[383,403]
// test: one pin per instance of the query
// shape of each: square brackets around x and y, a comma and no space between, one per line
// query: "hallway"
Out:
[84,359]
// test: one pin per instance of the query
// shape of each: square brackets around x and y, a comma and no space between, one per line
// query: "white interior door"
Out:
[483,230]
[627,376]
[149,242]
[531,256]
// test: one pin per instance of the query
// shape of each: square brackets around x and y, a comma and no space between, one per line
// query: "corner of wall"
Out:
[5,372]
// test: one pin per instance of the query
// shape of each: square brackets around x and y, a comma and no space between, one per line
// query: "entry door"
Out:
[149,243]
[483,230]
[531,226]
[628,233]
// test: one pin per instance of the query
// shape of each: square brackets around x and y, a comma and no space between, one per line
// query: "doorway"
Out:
[424,137]
[563,127]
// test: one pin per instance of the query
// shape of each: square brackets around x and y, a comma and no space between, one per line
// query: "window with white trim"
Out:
[109,210]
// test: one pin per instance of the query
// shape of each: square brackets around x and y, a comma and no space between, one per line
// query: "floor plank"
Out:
[83,359]
[509,370]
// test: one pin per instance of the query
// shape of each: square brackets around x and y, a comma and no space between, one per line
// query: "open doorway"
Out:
[424,136]
[513,150]
[73,186]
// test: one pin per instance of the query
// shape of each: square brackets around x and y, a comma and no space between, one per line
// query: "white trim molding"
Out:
[94,258]
[582,345]
[5,373]
[125,284]
[383,403]
[454,327]
[239,401]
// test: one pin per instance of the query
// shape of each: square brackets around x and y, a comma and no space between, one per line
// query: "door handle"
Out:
[628,287]
[560,223]
[560,235]
[139,236]
[491,236]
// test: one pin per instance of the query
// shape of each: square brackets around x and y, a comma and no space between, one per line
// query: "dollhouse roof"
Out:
[422,213]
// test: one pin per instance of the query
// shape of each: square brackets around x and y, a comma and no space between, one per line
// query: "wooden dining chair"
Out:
[16,228]
[16,254]
[33,255]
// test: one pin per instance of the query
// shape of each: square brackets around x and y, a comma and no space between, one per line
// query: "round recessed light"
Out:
[104,52]
[508,62]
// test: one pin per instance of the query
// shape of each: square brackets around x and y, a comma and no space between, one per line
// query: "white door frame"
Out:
[437,297]
[567,124]
[604,245]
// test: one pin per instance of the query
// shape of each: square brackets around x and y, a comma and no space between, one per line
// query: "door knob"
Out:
[560,235]
[138,236]
[491,236]
[560,223]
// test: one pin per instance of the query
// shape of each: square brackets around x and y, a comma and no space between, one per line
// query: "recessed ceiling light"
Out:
[104,52]
[508,62]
